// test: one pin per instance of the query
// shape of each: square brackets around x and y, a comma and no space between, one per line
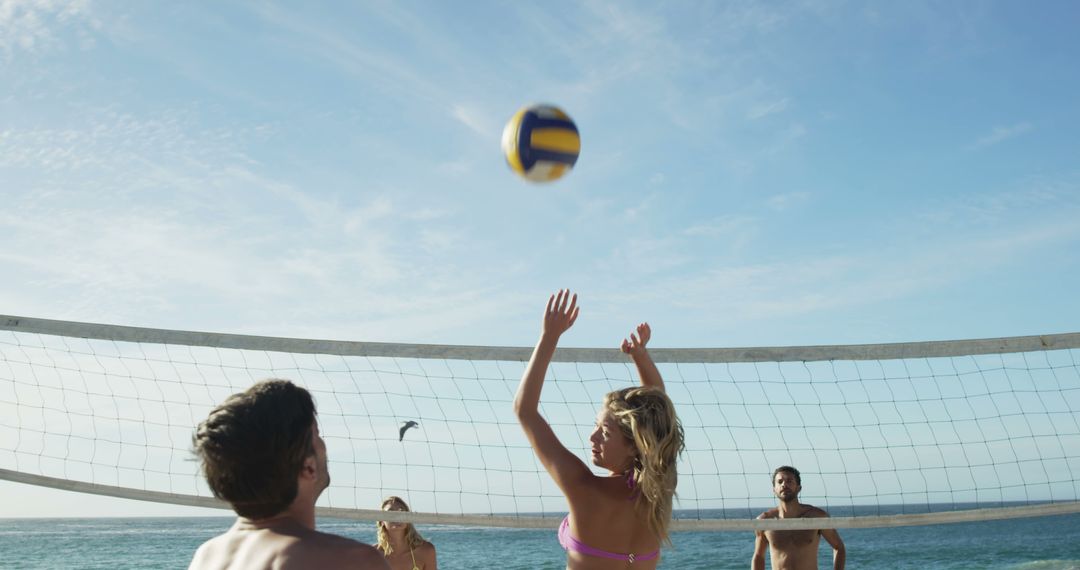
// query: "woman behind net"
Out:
[620,519]
[400,544]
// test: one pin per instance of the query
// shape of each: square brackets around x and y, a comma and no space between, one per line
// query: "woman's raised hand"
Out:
[562,310]
[635,347]
[636,343]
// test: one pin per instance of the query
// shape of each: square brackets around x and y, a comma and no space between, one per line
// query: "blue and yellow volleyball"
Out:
[541,143]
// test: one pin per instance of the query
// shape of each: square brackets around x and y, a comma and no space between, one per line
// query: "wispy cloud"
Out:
[723,226]
[108,141]
[477,121]
[788,200]
[162,208]
[717,285]
[766,108]
[1001,134]
[718,300]
[155,221]
[786,138]
[32,26]
[1032,198]
[381,67]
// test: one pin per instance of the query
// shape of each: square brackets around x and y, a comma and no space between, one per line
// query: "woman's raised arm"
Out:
[565,468]
[635,347]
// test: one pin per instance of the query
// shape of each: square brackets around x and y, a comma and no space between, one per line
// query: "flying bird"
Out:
[404,428]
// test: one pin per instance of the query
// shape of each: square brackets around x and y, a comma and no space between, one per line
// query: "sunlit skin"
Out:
[786,487]
[794,549]
[601,514]
[321,460]
[289,539]
[611,449]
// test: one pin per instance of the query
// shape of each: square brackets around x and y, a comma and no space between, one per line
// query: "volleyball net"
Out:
[884,435]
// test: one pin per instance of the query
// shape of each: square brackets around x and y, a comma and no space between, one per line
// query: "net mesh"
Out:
[877,432]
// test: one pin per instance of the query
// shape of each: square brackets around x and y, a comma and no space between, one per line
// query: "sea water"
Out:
[1041,543]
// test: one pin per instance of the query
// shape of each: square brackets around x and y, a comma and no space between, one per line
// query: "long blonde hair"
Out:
[412,538]
[646,416]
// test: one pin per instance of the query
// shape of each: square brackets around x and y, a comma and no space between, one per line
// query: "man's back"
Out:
[283,545]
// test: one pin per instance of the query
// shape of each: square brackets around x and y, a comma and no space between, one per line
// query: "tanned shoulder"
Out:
[369,557]
[205,553]
[197,560]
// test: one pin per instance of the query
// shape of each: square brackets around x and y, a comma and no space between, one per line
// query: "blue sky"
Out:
[781,173]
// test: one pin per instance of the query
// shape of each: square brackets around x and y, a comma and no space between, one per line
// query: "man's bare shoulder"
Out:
[310,549]
[197,561]
[346,550]
[209,553]
[812,512]
[770,514]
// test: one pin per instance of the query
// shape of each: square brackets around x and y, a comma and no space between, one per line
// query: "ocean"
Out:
[1041,543]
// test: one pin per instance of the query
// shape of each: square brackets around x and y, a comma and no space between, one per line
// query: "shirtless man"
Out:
[793,549]
[262,453]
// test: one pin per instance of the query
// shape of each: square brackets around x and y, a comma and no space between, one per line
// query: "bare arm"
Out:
[839,552]
[635,347]
[565,468]
[761,544]
[428,557]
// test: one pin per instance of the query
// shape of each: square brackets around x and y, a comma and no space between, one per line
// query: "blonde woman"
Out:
[619,519]
[400,544]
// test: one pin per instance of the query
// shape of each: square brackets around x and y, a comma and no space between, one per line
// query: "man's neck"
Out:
[297,515]
[303,508]
[790,509]
[283,522]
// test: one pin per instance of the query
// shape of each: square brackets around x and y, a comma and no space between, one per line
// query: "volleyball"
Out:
[541,143]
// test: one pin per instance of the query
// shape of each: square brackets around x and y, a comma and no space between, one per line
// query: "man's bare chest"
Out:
[792,538]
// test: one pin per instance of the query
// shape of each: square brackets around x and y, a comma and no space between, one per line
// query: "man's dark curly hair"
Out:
[253,446]
[788,469]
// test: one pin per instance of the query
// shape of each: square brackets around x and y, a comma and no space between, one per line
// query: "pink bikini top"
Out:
[570,543]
